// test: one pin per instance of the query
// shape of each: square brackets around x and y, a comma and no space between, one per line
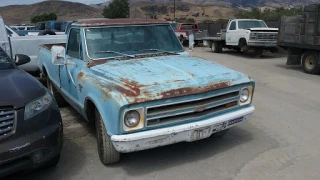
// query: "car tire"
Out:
[258,52]
[59,98]
[107,153]
[310,63]
[221,133]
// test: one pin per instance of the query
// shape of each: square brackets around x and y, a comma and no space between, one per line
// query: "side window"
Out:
[74,48]
[233,26]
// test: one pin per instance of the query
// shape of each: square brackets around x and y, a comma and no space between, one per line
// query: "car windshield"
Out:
[5,61]
[251,24]
[109,42]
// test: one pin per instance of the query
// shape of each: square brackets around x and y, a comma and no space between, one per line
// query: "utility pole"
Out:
[174,10]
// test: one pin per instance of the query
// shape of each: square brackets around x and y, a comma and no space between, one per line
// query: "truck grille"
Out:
[7,122]
[267,36]
[188,110]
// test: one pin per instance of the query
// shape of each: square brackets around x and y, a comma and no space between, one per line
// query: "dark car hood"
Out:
[147,79]
[18,88]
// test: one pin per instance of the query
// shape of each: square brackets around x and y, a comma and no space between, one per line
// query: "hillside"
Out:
[64,10]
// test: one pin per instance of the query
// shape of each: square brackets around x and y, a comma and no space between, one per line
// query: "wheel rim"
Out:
[309,62]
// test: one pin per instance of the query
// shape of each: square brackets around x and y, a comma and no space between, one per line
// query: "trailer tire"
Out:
[216,47]
[310,62]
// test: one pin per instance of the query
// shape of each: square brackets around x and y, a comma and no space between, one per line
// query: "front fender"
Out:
[108,102]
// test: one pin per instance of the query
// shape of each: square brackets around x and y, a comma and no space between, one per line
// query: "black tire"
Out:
[221,133]
[216,47]
[310,63]
[242,46]
[107,153]
[59,98]
[46,32]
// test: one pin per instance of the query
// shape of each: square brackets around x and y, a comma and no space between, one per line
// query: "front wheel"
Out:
[107,153]
[310,63]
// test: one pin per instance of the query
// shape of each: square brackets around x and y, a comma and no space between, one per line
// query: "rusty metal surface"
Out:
[148,79]
[103,22]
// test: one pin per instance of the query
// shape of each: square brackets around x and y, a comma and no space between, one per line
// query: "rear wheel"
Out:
[107,153]
[310,63]
[60,100]
[216,47]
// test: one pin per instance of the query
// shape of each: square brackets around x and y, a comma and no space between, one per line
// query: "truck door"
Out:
[231,34]
[75,63]
[4,39]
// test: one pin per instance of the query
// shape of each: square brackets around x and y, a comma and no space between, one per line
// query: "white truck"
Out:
[14,43]
[244,35]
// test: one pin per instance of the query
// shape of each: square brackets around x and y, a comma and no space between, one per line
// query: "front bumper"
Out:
[262,43]
[42,134]
[182,133]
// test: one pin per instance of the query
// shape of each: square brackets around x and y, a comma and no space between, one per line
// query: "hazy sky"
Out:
[11,2]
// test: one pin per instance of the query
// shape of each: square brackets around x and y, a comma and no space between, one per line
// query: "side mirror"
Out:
[21,59]
[58,55]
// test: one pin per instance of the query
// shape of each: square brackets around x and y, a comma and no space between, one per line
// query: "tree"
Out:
[190,20]
[44,17]
[117,9]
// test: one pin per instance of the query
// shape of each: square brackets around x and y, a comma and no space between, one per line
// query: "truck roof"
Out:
[106,22]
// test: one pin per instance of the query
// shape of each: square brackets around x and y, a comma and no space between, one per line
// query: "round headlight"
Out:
[132,118]
[244,95]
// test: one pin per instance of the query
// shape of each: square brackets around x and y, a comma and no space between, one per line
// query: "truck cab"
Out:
[133,80]
[251,34]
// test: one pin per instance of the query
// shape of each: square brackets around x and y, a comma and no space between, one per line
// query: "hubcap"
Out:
[310,62]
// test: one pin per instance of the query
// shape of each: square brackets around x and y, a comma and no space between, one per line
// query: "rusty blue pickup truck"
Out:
[133,80]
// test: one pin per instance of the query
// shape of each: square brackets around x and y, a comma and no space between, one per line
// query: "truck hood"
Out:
[264,29]
[147,79]
[18,88]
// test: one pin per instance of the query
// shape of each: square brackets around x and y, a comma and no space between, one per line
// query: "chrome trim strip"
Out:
[13,128]
[192,109]
[219,94]
[187,119]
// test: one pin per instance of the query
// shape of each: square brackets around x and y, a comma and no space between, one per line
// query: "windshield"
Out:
[189,26]
[251,24]
[110,42]
[5,61]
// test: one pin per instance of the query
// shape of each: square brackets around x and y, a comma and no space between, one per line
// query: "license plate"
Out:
[235,121]
[201,134]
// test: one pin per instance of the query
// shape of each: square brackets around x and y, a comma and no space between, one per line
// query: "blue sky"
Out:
[12,2]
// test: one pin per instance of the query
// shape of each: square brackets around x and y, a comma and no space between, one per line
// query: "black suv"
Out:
[31,131]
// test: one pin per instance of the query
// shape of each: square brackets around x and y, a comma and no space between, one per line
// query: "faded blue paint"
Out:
[118,85]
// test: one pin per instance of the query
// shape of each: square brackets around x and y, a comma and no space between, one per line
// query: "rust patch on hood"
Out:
[80,75]
[193,90]
[95,63]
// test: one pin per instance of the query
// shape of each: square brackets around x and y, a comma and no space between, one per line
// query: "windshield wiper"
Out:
[115,52]
[158,50]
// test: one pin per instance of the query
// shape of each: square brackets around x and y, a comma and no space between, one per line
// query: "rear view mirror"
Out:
[58,55]
[21,59]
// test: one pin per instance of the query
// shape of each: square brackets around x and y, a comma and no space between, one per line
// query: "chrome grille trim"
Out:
[192,107]
[7,122]
[270,36]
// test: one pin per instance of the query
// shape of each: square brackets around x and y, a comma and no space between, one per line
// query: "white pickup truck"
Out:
[244,35]
[13,43]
